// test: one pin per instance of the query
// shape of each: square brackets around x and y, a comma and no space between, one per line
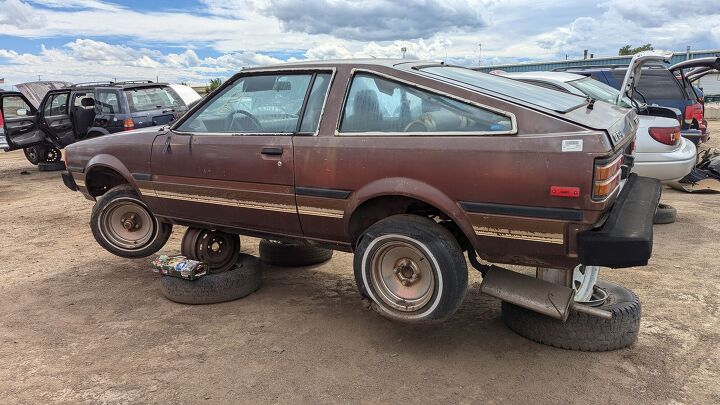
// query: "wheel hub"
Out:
[131,222]
[407,271]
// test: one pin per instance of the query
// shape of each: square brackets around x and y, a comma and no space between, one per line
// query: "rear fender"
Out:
[406,187]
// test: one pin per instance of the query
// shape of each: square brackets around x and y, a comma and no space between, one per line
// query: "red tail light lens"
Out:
[128,124]
[694,112]
[667,136]
[2,120]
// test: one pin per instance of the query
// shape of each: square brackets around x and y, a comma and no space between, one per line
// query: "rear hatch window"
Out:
[655,84]
[522,92]
[152,98]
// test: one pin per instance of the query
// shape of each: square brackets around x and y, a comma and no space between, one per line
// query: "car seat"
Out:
[366,115]
[84,116]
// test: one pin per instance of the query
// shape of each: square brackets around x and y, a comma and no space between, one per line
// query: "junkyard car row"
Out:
[409,165]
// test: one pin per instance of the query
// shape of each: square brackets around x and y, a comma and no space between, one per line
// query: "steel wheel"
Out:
[53,155]
[219,250]
[127,225]
[402,275]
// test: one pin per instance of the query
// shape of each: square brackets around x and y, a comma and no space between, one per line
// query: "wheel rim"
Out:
[53,155]
[218,250]
[584,279]
[32,154]
[402,275]
[127,225]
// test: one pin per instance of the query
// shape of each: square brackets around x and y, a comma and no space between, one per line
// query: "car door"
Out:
[20,121]
[230,163]
[55,117]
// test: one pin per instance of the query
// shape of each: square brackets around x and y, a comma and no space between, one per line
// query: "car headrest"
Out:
[87,102]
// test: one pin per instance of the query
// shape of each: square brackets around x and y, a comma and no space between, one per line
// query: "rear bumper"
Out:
[667,166]
[69,181]
[626,237]
[696,136]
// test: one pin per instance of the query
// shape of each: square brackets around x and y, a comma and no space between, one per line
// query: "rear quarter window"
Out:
[152,98]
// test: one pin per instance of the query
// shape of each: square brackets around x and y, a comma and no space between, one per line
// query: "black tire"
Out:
[243,279]
[35,154]
[582,331]
[197,244]
[665,214]
[292,255]
[431,241]
[51,166]
[157,234]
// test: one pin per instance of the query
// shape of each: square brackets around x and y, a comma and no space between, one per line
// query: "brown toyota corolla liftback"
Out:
[406,164]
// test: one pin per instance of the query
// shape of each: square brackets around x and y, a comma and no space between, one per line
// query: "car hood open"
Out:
[36,91]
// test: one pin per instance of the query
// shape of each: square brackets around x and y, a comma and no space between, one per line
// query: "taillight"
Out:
[607,177]
[694,112]
[128,124]
[667,136]
[2,121]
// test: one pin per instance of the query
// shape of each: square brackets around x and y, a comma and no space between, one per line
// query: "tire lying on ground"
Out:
[241,280]
[292,255]
[51,166]
[581,331]
[665,214]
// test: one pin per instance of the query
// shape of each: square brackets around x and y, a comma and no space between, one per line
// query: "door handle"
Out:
[272,151]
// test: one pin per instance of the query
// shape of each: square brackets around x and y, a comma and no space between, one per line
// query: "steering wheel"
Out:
[258,126]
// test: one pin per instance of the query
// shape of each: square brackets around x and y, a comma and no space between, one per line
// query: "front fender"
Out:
[112,163]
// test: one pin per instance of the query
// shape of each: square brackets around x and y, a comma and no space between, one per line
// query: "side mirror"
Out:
[22,112]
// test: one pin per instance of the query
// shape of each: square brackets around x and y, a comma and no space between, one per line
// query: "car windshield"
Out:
[524,92]
[600,91]
[152,98]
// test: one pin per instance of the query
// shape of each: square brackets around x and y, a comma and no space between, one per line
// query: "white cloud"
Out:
[17,14]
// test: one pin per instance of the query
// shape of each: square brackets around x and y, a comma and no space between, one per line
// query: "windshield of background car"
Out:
[152,98]
[253,104]
[599,91]
[523,92]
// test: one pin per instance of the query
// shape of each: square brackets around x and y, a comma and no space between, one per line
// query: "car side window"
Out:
[315,104]
[377,105]
[57,105]
[15,106]
[107,102]
[258,104]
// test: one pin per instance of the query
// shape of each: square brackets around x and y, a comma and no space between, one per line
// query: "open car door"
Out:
[22,129]
[55,117]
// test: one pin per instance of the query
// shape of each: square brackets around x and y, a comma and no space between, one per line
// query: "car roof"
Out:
[392,63]
[118,85]
[555,76]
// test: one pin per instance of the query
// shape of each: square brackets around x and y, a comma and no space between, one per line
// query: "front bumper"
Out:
[69,181]
[625,239]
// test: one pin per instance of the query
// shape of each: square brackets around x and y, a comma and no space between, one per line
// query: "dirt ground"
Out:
[80,325]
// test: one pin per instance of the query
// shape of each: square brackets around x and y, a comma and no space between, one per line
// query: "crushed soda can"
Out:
[180,267]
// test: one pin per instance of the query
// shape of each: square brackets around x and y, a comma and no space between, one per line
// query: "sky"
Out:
[195,40]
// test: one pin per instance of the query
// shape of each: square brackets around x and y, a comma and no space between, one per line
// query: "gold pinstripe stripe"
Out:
[320,212]
[520,235]
[256,205]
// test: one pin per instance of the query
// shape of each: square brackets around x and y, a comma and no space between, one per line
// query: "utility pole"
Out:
[479,54]
[404,51]
[687,53]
